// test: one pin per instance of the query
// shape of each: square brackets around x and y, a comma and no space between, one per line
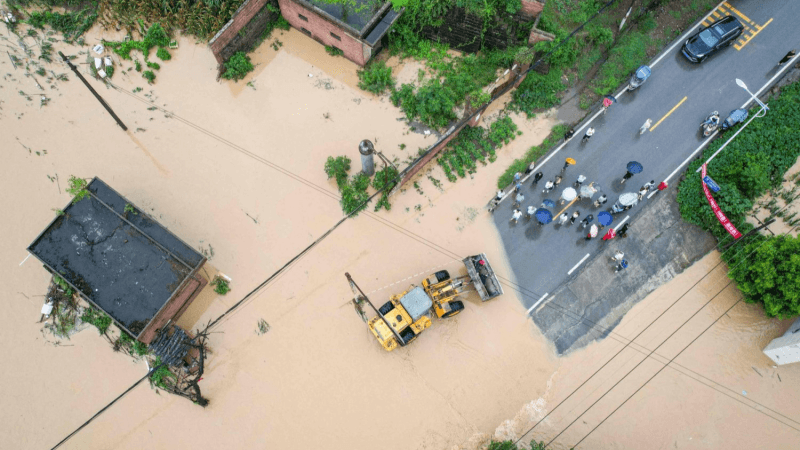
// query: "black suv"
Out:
[710,39]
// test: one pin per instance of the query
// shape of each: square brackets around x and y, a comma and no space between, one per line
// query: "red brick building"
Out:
[355,30]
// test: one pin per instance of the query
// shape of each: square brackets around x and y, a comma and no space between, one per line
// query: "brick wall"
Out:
[320,29]
[531,8]
[244,28]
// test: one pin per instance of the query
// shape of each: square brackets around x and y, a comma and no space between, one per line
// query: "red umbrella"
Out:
[610,235]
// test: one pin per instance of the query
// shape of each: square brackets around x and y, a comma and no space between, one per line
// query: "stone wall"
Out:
[244,28]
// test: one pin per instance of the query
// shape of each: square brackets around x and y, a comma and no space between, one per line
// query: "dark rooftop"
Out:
[357,15]
[125,263]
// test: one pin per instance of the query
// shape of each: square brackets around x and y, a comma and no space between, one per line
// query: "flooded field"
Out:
[235,170]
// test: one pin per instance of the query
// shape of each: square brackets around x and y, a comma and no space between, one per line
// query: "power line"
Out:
[662,343]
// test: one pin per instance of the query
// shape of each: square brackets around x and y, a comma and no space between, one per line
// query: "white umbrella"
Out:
[569,194]
[628,199]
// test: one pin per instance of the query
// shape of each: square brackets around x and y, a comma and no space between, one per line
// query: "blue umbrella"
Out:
[605,218]
[634,167]
[548,203]
[544,216]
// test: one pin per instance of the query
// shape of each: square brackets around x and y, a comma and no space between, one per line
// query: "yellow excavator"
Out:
[400,320]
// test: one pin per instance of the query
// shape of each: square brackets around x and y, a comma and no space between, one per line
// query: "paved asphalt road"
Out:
[542,256]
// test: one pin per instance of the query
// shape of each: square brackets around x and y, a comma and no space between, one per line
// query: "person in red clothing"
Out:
[610,235]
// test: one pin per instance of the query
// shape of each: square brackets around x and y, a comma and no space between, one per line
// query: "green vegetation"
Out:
[63,285]
[750,165]
[538,91]
[376,78]
[76,187]
[237,67]
[64,318]
[353,189]
[385,178]
[71,24]
[535,152]
[629,53]
[149,76]
[130,209]
[135,347]
[161,376]
[109,71]
[155,36]
[333,51]
[221,286]
[475,144]
[97,318]
[767,271]
[509,445]
[163,54]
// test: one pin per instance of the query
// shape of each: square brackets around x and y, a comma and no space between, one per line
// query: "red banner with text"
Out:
[717,211]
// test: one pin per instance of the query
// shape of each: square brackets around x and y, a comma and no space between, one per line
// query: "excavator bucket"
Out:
[483,277]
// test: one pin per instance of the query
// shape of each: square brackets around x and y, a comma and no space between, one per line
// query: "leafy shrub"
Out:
[97,318]
[63,285]
[155,36]
[153,65]
[77,188]
[538,91]
[109,71]
[600,35]
[385,178]
[354,194]
[149,76]
[237,67]
[337,168]
[333,51]
[473,145]
[629,53]
[376,78]
[767,271]
[648,23]
[161,376]
[163,54]
[221,286]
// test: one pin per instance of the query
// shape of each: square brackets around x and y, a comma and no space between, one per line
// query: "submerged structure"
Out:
[356,28]
[121,260]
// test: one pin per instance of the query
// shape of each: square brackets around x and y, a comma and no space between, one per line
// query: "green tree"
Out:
[768,272]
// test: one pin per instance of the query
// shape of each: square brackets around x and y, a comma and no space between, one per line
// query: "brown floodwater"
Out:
[235,169]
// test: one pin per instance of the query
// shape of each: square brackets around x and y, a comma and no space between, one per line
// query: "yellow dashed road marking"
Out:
[667,114]
[738,13]
[749,38]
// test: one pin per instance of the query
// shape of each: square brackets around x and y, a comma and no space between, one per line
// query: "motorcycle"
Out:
[710,124]
[639,77]
[736,116]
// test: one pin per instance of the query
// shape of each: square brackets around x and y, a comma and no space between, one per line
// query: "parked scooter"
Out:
[710,124]
[737,116]
[639,77]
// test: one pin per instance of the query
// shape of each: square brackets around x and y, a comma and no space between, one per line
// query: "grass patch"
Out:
[538,92]
[99,319]
[71,24]
[534,153]
[376,78]
[629,53]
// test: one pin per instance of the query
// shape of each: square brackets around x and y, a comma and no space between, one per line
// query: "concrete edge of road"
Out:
[507,191]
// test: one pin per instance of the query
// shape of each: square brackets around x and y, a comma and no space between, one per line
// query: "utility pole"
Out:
[97,96]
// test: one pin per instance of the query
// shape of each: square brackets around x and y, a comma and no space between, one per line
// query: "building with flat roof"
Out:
[121,260]
[356,29]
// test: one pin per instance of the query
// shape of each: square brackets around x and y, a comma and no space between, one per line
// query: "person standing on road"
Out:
[623,231]
[618,255]
[574,217]
[499,196]
[787,58]
[530,167]
[587,220]
[531,210]
[562,219]
[661,186]
[646,126]
[536,178]
[548,187]
[627,175]
[518,200]
[517,186]
[622,265]
[515,217]
[611,234]
[600,201]
[493,205]
[589,134]
[557,180]
[579,181]
[642,192]
[592,232]
[517,177]
[568,135]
